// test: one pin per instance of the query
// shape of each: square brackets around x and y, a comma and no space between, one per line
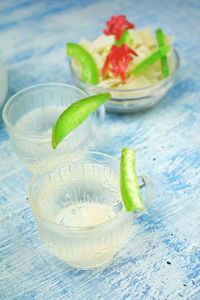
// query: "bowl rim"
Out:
[146,89]
[122,214]
[24,133]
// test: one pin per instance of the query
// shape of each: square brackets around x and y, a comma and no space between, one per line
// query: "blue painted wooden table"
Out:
[161,260]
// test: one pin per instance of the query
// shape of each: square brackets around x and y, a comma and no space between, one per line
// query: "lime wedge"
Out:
[129,182]
[149,60]
[89,68]
[161,40]
[74,115]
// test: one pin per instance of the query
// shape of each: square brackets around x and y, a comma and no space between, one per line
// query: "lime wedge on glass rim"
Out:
[129,186]
[74,115]
[88,65]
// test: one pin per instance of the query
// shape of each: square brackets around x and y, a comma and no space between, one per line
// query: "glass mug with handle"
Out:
[78,208]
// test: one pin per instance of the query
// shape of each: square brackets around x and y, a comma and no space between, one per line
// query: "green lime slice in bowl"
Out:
[149,60]
[129,186]
[89,68]
[74,115]
[125,38]
[161,40]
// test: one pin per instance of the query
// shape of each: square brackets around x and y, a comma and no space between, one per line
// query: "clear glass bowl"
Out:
[78,208]
[30,116]
[129,101]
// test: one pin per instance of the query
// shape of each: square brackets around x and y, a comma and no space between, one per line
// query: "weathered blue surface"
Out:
[33,34]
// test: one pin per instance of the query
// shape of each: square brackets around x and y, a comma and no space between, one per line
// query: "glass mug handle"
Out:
[146,183]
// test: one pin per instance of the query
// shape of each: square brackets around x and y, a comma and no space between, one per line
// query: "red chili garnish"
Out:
[119,58]
[117,25]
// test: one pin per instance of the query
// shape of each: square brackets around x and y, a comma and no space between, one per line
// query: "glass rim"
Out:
[76,229]
[147,88]
[24,133]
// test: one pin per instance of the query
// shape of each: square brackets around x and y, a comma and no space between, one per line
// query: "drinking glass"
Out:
[78,208]
[30,116]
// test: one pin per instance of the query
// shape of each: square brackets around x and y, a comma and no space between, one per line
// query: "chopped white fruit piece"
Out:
[169,40]
[137,37]
[87,45]
[102,42]
[144,50]
[99,60]
[148,37]
[152,74]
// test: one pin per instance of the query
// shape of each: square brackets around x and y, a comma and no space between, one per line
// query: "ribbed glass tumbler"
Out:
[30,116]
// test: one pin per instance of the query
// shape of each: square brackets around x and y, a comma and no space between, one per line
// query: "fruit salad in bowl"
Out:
[137,66]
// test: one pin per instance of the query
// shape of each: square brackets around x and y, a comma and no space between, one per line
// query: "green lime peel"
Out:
[129,186]
[74,115]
